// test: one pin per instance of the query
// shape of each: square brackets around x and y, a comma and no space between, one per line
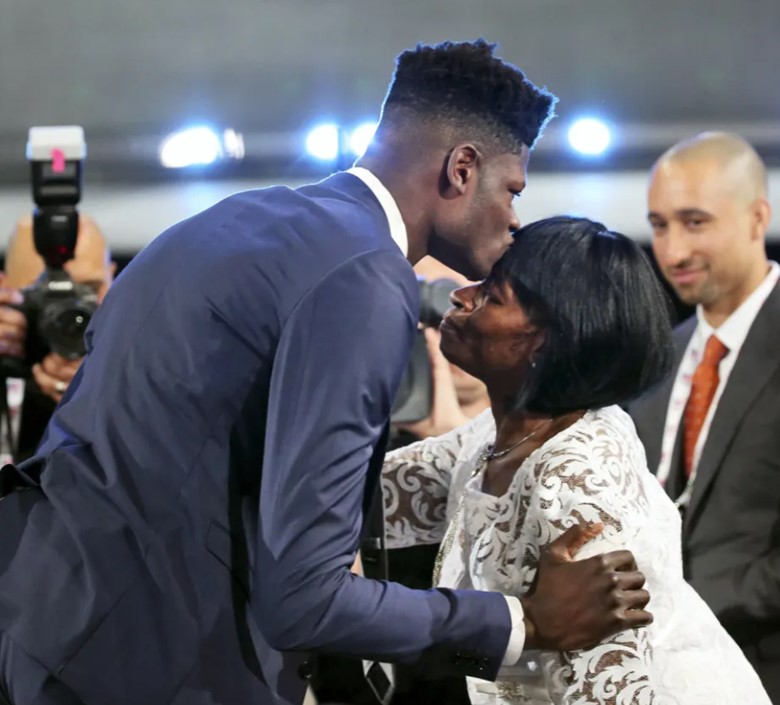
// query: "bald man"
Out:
[92,266]
[712,432]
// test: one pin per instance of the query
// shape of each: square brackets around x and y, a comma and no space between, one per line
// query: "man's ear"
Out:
[762,215]
[461,169]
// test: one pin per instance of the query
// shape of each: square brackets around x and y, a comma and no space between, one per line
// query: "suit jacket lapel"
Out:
[757,361]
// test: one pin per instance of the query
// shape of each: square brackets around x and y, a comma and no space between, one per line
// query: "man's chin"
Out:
[473,271]
[481,268]
[689,297]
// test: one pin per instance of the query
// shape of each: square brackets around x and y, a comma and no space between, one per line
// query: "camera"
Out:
[57,309]
[415,394]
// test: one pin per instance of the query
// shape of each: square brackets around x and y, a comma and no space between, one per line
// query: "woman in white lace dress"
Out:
[570,323]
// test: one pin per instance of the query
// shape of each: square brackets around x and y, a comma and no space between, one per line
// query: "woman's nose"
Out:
[461,298]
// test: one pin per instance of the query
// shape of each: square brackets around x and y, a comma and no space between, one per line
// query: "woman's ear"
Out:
[540,338]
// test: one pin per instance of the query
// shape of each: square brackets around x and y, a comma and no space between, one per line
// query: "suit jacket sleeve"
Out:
[338,365]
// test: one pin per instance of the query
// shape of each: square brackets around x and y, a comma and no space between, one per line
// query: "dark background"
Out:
[130,72]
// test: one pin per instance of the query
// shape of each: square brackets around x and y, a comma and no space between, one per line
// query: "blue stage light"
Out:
[589,136]
[194,146]
[361,137]
[322,142]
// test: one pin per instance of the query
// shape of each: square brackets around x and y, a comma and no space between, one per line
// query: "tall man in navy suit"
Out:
[185,532]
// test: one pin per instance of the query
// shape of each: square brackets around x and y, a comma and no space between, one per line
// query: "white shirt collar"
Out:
[389,206]
[734,330]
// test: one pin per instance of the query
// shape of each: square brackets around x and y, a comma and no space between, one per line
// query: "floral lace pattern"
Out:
[593,471]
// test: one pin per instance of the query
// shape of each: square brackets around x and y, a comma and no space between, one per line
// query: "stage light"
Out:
[195,146]
[361,137]
[233,144]
[589,136]
[322,142]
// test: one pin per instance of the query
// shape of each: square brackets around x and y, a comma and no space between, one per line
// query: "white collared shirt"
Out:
[516,643]
[389,206]
[732,333]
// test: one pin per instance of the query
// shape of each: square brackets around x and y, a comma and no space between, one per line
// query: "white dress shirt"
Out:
[398,232]
[732,333]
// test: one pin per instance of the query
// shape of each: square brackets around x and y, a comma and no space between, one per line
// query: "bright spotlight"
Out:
[233,143]
[191,147]
[589,136]
[361,137]
[323,142]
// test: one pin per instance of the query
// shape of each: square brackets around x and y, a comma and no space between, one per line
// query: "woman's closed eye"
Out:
[492,293]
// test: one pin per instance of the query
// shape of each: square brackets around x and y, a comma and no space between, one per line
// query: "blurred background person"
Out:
[712,431]
[31,401]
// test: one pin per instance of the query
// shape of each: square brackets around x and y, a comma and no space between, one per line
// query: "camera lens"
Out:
[435,300]
[63,325]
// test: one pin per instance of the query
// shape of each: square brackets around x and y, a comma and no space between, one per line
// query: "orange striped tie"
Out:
[703,387]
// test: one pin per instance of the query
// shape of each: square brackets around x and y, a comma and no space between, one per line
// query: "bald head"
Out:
[707,205]
[741,170]
[91,263]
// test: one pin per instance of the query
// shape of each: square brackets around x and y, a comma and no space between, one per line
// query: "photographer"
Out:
[32,400]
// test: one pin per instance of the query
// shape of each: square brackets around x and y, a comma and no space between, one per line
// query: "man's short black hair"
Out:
[465,85]
[606,316]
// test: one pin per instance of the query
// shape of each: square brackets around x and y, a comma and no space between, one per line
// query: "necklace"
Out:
[491,454]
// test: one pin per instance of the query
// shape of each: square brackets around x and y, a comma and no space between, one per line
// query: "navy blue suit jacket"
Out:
[202,484]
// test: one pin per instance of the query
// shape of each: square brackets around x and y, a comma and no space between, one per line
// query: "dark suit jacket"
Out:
[264,338]
[731,529]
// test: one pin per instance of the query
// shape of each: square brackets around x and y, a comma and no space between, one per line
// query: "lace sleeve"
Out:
[592,475]
[416,482]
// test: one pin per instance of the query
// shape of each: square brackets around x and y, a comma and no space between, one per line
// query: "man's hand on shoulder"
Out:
[576,604]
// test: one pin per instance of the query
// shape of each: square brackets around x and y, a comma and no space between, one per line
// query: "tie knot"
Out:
[715,351]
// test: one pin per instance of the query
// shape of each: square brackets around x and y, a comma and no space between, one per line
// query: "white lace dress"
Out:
[595,469]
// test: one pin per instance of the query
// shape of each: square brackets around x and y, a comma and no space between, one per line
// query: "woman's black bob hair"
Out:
[606,317]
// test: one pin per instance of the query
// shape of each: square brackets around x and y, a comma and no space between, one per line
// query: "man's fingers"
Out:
[619,560]
[637,618]
[11,348]
[49,385]
[12,318]
[635,599]
[11,334]
[60,368]
[10,296]
[572,540]
[630,580]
